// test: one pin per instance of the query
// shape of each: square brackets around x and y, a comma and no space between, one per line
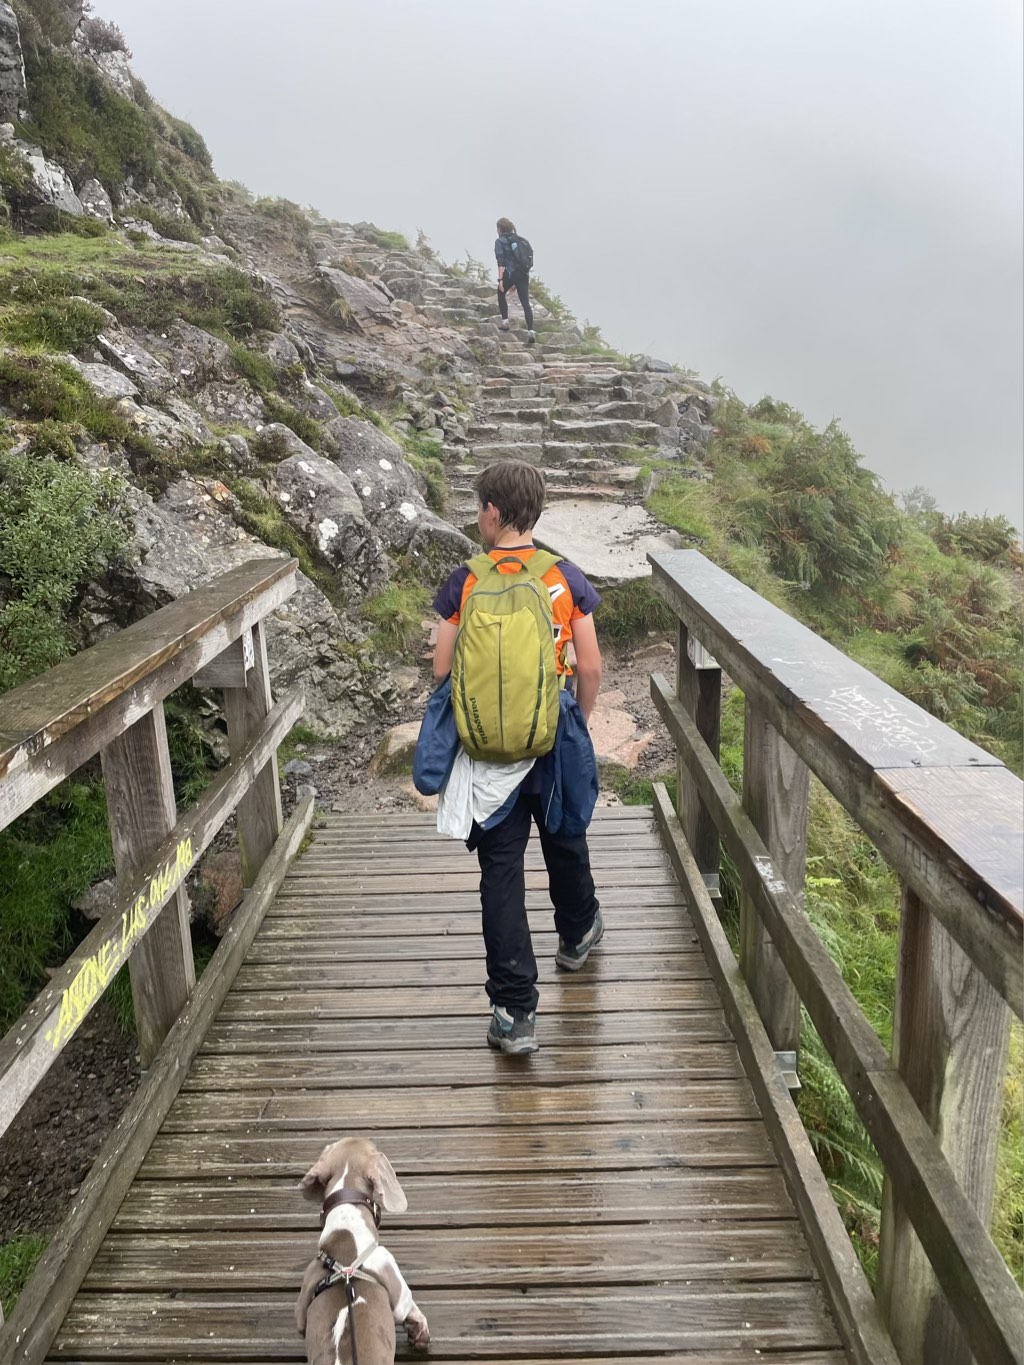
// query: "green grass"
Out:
[422,456]
[149,284]
[629,612]
[18,1259]
[49,856]
[395,614]
[62,325]
[262,517]
[277,410]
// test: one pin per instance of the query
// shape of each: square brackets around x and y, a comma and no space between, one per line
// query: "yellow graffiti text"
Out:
[96,973]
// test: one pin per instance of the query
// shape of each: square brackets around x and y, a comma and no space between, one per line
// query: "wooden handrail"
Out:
[109,701]
[950,820]
[907,779]
[53,724]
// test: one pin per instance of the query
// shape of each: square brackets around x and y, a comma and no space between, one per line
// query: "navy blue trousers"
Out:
[511,965]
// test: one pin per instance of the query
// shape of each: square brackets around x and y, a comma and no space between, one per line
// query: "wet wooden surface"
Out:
[613,1197]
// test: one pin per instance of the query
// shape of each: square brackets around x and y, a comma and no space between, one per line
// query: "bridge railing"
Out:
[108,701]
[949,819]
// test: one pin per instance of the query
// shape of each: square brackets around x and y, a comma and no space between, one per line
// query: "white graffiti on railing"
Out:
[895,726]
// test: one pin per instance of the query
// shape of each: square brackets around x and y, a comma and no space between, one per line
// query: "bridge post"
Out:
[950,1036]
[247,703]
[775,791]
[141,810]
[699,689]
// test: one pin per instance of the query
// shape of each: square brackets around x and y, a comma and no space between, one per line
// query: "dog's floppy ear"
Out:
[314,1183]
[386,1188]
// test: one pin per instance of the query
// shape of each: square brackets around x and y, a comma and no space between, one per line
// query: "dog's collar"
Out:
[350,1196]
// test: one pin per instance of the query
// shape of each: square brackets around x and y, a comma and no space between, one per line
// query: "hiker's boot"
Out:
[503,325]
[573,958]
[531,338]
[513,1031]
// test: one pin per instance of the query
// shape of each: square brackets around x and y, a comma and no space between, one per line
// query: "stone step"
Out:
[511,365]
[570,454]
[509,410]
[619,408]
[491,452]
[639,433]
[503,432]
[562,452]
[503,389]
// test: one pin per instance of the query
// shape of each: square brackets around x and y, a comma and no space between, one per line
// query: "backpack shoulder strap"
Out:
[540,562]
[479,565]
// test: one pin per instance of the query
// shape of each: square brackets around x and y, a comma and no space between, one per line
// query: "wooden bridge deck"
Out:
[613,1197]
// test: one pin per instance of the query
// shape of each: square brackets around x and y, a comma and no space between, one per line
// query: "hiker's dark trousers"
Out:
[511,965]
[522,284]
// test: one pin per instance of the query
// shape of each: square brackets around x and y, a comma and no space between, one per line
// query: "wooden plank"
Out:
[369,933]
[860,1324]
[685,1143]
[51,1290]
[329,863]
[142,814]
[950,1039]
[333,901]
[29,1049]
[230,667]
[552,1066]
[815,1356]
[986,807]
[261,1325]
[259,817]
[700,691]
[775,792]
[613,1102]
[386,972]
[970,1269]
[600,1029]
[433,945]
[354,1002]
[454,879]
[53,724]
[474,1258]
[505,1202]
[849,727]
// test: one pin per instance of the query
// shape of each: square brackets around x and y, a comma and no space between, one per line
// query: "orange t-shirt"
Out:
[572,594]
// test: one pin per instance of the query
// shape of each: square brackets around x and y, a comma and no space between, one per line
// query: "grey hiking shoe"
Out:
[531,338]
[572,959]
[513,1031]
[503,325]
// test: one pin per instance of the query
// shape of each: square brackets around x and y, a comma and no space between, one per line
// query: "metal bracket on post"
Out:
[698,655]
[711,882]
[787,1066]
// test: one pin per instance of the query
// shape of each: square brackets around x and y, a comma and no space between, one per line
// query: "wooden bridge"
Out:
[642,1188]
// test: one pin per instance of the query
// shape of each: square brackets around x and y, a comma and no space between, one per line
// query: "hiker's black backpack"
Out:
[523,252]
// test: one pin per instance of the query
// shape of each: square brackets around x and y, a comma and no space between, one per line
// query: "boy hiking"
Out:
[508,618]
[514,255]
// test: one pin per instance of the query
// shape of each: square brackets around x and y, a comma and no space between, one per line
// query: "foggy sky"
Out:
[817,199]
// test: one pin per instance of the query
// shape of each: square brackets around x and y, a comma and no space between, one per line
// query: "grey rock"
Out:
[96,201]
[648,363]
[305,789]
[665,413]
[350,373]
[237,449]
[13,98]
[115,68]
[607,540]
[51,187]
[320,502]
[99,898]
[104,380]
[282,351]
[361,302]
[391,494]
[195,357]
[186,539]
[297,767]
[124,351]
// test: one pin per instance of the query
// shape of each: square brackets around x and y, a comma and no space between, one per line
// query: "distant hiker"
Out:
[514,255]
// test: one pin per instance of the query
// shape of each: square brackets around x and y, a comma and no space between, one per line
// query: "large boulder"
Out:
[188,537]
[51,188]
[96,201]
[320,502]
[12,66]
[391,494]
[122,350]
[357,301]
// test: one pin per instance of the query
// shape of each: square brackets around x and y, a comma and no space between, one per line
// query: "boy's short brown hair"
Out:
[515,489]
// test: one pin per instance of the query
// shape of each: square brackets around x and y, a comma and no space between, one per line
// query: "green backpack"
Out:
[505,682]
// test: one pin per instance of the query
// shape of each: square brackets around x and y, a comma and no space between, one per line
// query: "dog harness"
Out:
[336,1274]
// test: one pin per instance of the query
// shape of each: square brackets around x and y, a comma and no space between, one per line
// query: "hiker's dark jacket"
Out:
[568,782]
[506,253]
